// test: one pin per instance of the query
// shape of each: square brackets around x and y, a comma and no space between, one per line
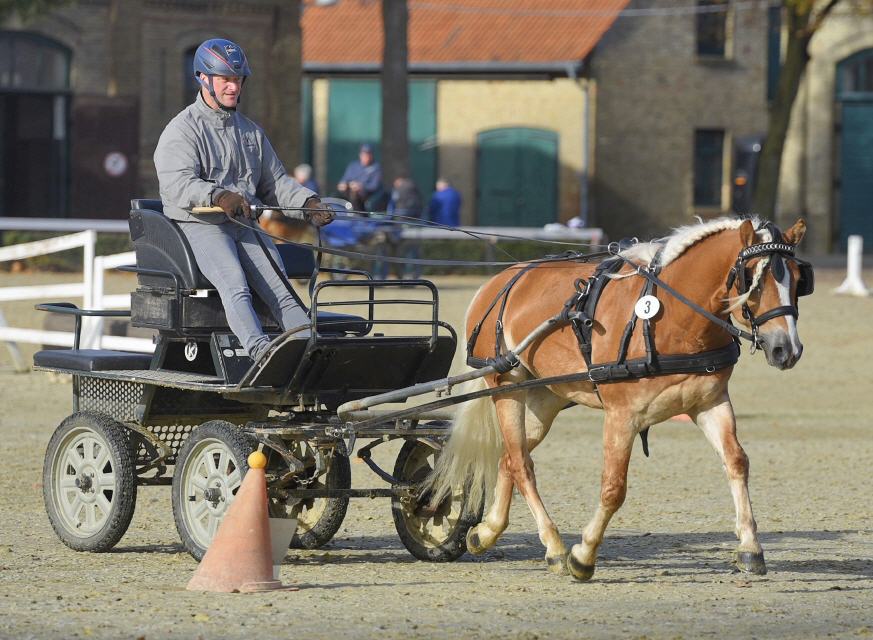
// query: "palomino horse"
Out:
[696,261]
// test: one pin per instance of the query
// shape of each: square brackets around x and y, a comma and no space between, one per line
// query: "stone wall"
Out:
[136,50]
[652,92]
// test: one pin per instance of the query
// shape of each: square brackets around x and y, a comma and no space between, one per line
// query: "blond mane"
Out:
[686,236]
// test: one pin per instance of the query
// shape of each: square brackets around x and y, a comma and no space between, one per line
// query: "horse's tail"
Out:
[472,454]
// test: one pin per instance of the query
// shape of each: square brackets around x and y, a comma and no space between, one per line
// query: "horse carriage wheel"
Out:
[318,519]
[431,534]
[89,481]
[209,470]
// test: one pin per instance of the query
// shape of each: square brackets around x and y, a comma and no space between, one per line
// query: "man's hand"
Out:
[318,213]
[233,204]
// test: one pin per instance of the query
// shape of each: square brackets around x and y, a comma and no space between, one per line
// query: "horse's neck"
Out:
[700,274]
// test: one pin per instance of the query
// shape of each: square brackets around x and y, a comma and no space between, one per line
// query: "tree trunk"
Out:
[282,122]
[790,75]
[395,93]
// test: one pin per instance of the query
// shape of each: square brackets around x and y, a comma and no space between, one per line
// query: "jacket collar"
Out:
[216,116]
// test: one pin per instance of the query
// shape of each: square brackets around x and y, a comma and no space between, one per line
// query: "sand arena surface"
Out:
[664,569]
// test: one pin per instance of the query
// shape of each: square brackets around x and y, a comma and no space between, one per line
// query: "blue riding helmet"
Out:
[220,57]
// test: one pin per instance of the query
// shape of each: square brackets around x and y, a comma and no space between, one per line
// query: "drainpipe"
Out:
[572,73]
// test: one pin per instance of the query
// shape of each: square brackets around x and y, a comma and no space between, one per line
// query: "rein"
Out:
[579,311]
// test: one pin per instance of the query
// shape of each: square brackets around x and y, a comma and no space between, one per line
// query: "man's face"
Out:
[366,158]
[227,90]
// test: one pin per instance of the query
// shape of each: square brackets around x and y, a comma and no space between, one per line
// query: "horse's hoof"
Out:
[751,562]
[558,564]
[582,572]
[474,545]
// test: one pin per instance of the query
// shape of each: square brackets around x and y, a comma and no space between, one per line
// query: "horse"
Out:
[731,269]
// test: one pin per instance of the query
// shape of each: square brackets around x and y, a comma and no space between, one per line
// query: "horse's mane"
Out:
[685,236]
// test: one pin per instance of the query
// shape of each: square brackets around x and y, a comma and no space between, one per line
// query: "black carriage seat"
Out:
[91,360]
[162,247]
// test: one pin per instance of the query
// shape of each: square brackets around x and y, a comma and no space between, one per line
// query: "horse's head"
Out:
[767,280]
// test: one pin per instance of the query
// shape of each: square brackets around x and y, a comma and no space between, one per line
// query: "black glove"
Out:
[233,204]
[318,213]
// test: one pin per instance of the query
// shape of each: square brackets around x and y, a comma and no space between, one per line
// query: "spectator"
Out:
[445,204]
[405,203]
[361,179]
[303,175]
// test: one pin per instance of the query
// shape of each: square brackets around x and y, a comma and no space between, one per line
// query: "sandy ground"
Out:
[664,570]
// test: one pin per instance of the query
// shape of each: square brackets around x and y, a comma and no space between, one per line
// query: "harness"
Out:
[580,309]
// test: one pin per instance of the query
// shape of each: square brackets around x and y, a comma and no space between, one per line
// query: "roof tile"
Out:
[460,31]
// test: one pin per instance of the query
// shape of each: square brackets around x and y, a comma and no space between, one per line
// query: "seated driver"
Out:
[212,155]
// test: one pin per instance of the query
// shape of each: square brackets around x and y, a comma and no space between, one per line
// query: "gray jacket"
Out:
[203,150]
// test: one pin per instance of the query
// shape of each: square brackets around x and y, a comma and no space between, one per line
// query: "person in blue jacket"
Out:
[445,204]
[361,179]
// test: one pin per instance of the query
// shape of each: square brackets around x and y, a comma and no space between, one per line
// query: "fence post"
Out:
[90,326]
[14,351]
[854,285]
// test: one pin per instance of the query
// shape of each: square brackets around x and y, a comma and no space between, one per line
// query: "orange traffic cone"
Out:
[240,557]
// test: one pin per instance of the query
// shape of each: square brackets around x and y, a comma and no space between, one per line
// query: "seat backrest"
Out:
[299,262]
[161,245]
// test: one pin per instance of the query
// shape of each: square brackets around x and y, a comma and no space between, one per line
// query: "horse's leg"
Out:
[618,440]
[719,425]
[511,413]
[541,407]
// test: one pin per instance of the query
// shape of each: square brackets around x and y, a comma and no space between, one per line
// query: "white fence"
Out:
[90,290]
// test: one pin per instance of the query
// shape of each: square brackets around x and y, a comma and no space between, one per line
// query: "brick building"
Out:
[86,90]
[637,115]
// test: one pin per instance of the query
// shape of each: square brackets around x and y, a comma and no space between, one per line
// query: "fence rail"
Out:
[90,289]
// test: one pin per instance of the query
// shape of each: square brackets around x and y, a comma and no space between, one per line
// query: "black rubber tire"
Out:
[408,468]
[331,519]
[238,443]
[122,498]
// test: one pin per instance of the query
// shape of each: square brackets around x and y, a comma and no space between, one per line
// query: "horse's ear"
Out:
[747,233]
[795,234]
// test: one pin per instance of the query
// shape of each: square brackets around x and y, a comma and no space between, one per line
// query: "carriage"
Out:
[543,335]
[189,414]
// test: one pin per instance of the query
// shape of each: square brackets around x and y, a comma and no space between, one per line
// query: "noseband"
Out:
[777,253]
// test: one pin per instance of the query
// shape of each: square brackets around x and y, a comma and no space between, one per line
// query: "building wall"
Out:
[467,107]
[809,173]
[134,51]
[652,92]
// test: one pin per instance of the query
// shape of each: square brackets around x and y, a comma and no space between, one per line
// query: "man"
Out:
[212,155]
[445,204]
[361,179]
[303,175]
[405,203]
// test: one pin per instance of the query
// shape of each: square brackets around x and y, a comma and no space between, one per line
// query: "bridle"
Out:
[775,253]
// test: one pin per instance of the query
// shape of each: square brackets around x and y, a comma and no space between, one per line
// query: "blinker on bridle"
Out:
[777,252]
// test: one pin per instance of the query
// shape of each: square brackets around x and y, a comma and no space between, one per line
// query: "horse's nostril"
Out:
[778,354]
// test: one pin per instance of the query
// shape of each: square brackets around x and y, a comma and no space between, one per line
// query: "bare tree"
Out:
[803,18]
[395,92]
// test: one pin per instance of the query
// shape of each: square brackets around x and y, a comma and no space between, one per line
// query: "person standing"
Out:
[361,179]
[405,203]
[210,154]
[303,175]
[445,204]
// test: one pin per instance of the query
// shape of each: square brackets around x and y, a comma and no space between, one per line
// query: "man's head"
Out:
[365,154]
[442,184]
[221,67]
[302,173]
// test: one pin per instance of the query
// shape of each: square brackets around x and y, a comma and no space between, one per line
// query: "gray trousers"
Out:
[233,260]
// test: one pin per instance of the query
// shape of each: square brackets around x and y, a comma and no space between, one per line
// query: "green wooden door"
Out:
[517,177]
[856,174]
[355,117]
[855,93]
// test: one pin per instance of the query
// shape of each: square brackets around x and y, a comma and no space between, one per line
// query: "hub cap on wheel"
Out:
[85,483]
[430,524]
[210,480]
